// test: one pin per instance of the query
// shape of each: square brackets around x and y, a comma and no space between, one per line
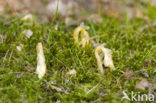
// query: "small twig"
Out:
[58,89]
[92,89]
[96,36]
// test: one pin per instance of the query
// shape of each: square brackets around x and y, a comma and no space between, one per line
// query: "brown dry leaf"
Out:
[144,72]
[128,73]
[142,84]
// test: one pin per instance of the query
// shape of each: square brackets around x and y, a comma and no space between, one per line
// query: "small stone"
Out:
[19,48]
[28,33]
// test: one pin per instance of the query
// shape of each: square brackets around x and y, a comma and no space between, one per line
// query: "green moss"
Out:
[19,83]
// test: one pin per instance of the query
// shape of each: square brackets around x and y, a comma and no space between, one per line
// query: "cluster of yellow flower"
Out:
[82,34]
[85,41]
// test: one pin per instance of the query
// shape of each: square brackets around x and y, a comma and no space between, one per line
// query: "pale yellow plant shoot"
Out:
[28,17]
[41,66]
[83,35]
[108,62]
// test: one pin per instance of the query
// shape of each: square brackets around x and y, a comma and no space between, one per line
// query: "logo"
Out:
[136,96]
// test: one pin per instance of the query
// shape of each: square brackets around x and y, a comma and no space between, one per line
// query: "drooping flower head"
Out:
[41,66]
[106,59]
[81,33]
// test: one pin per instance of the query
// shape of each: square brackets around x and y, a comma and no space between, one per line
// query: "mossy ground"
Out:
[131,49]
